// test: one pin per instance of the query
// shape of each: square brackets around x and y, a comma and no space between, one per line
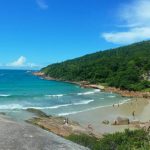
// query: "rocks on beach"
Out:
[105,122]
[58,125]
[121,121]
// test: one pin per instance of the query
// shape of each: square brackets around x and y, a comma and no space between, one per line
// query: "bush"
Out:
[127,140]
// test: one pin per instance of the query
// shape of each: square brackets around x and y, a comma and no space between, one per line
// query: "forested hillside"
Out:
[125,67]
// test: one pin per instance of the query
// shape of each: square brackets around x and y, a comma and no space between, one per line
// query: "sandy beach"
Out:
[95,117]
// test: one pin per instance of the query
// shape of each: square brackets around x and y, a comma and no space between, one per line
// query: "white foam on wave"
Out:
[97,90]
[18,106]
[111,96]
[93,108]
[4,95]
[125,101]
[84,102]
[47,107]
[63,105]
[58,106]
[58,95]
[69,113]
[75,112]
[11,106]
[89,92]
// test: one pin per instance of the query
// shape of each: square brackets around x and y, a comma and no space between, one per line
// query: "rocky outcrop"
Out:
[59,125]
[38,73]
[105,122]
[127,93]
[121,121]
[22,136]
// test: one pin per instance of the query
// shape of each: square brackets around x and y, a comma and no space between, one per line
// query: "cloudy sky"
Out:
[35,33]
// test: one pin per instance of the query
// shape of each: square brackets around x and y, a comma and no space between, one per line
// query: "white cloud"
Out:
[136,19]
[21,62]
[136,14]
[130,36]
[42,4]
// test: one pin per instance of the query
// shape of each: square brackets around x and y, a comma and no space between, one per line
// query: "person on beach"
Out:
[118,104]
[133,114]
[113,105]
[66,121]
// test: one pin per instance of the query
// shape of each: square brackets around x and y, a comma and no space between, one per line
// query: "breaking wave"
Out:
[4,95]
[90,92]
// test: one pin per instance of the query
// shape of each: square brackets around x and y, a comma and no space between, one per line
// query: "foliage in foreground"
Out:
[128,140]
[125,67]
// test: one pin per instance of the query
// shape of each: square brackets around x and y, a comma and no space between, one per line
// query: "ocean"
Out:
[20,90]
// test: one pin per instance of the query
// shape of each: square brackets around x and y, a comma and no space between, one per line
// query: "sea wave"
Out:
[75,112]
[63,105]
[89,92]
[58,95]
[111,96]
[57,106]
[4,95]
[18,106]
[93,108]
[84,102]
[125,101]
[11,106]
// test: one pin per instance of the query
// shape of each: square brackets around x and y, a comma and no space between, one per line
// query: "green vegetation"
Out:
[128,140]
[125,67]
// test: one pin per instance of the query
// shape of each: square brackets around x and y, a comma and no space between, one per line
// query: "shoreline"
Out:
[98,121]
[85,84]
[98,117]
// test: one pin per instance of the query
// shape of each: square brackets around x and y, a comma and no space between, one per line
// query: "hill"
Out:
[126,67]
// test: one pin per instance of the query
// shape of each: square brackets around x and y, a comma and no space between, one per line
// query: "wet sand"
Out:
[95,117]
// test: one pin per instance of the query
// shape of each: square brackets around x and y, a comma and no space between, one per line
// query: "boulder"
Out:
[121,121]
[135,122]
[105,122]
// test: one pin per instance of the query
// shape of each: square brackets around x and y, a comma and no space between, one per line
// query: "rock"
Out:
[58,126]
[105,122]
[38,73]
[2,113]
[37,112]
[22,136]
[101,87]
[121,121]
[135,122]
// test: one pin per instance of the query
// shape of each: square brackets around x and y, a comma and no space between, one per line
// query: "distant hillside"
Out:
[125,67]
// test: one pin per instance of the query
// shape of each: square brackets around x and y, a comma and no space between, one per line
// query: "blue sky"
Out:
[35,33]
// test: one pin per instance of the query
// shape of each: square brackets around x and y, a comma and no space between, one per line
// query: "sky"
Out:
[35,33]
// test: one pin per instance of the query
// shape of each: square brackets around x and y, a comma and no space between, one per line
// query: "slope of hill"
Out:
[126,67]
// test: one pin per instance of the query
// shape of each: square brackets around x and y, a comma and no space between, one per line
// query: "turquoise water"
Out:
[20,90]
